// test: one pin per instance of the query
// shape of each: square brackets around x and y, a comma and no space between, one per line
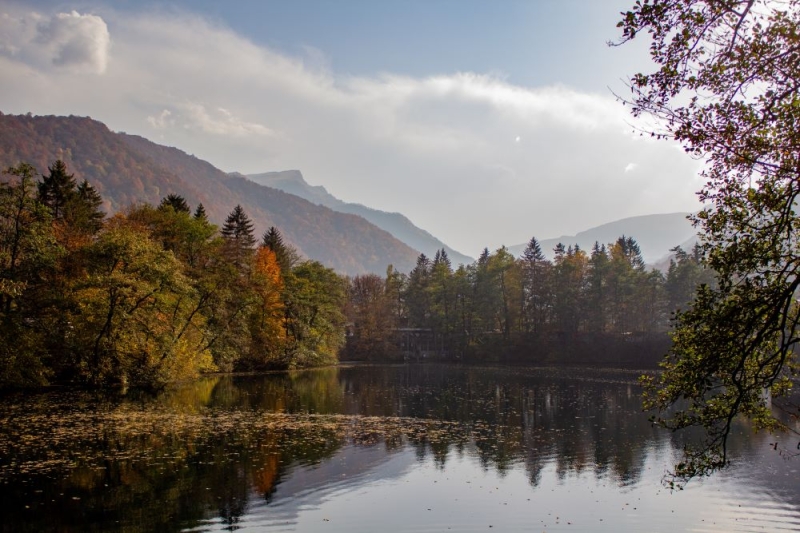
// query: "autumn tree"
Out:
[287,256]
[417,293]
[370,313]
[725,86]
[267,315]
[569,271]
[137,320]
[28,260]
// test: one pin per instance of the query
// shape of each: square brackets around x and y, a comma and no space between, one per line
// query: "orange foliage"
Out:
[267,266]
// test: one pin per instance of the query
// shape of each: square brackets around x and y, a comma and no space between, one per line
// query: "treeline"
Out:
[151,295]
[501,305]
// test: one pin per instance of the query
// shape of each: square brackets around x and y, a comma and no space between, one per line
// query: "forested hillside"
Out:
[127,170]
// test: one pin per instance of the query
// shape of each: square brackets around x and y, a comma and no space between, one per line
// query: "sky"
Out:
[485,123]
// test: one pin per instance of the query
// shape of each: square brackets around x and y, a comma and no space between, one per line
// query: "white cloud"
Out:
[436,148]
[161,121]
[630,167]
[69,41]
[220,122]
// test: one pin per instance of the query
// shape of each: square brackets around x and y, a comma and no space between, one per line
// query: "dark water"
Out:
[383,448]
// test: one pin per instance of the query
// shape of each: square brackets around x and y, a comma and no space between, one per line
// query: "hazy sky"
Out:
[484,122]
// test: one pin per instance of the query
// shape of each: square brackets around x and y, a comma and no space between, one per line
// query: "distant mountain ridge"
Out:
[655,234]
[292,181]
[128,169]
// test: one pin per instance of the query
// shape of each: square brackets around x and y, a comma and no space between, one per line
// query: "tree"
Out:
[87,215]
[267,331]
[535,268]
[28,255]
[57,189]
[287,256]
[238,234]
[176,202]
[726,88]
[314,324]
[137,318]
[369,310]
[200,213]
[597,288]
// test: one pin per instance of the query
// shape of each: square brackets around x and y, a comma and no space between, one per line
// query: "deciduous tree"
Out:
[725,86]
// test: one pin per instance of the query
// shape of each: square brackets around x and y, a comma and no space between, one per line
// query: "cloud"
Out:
[441,149]
[68,41]
[162,121]
[630,167]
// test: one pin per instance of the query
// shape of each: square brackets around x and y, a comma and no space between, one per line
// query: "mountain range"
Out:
[292,182]
[351,238]
[128,169]
[655,234]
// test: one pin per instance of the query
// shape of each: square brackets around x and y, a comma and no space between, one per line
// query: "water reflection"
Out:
[273,452]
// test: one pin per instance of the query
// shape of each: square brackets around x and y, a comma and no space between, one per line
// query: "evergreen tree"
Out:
[239,240]
[176,202]
[200,213]
[85,214]
[287,255]
[238,228]
[57,189]
[417,295]
[597,289]
[533,283]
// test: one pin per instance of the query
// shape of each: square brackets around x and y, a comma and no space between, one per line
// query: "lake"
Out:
[376,448]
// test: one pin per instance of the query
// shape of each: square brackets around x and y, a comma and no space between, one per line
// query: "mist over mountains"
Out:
[351,238]
[655,234]
[127,169]
[292,181]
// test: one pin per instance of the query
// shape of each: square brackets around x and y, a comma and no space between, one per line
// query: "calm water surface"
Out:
[376,448]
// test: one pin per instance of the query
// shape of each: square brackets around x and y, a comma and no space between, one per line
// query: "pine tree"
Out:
[238,228]
[534,267]
[239,240]
[176,202]
[287,256]
[57,189]
[200,213]
[84,213]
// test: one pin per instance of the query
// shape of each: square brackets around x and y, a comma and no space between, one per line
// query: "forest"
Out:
[526,309]
[158,294]
[151,295]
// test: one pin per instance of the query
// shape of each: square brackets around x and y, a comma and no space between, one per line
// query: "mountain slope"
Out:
[128,169]
[291,181]
[656,234]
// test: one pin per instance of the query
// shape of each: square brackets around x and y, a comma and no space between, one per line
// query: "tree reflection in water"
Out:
[76,461]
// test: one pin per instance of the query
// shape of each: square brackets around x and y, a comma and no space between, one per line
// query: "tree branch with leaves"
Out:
[726,88]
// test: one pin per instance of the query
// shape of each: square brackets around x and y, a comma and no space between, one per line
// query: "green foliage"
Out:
[28,256]
[136,318]
[239,239]
[57,189]
[149,297]
[726,88]
[286,255]
[314,314]
[176,202]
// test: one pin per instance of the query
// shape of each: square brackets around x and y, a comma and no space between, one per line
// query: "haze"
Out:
[484,123]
